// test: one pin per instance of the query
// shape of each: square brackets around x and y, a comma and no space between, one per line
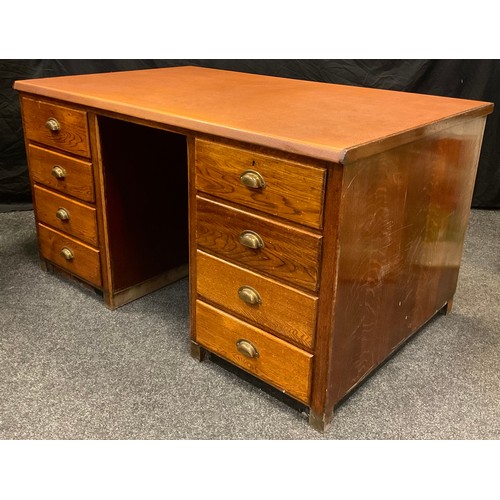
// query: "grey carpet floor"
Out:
[71,369]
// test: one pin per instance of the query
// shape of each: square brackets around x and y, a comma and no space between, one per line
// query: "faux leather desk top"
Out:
[332,122]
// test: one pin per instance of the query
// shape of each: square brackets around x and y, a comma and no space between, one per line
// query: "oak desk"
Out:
[324,226]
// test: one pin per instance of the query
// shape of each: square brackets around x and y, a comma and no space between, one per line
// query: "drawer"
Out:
[72,132]
[276,362]
[82,261]
[288,253]
[291,190]
[68,175]
[286,311]
[81,221]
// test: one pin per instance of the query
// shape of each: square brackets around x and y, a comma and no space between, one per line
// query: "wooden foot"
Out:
[320,421]
[197,352]
[45,266]
[447,307]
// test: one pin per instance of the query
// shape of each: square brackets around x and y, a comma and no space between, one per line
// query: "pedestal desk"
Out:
[322,225]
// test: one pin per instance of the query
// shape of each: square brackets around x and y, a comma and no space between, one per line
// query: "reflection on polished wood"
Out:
[402,222]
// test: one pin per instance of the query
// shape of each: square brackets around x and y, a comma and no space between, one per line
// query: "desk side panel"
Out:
[403,219]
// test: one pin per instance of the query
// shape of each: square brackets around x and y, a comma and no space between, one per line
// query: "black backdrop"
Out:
[469,79]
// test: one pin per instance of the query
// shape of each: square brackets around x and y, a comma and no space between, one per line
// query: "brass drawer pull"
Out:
[67,253]
[247,348]
[58,172]
[252,179]
[249,295]
[53,125]
[62,214]
[251,239]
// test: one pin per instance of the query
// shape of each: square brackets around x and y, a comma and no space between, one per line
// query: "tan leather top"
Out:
[331,122]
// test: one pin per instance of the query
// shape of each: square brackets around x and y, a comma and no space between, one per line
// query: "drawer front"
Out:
[72,135]
[68,175]
[280,364]
[291,190]
[288,253]
[284,310]
[85,261]
[81,221]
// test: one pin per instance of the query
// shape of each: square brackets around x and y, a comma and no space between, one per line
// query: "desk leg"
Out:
[45,265]
[447,307]
[197,352]
[320,421]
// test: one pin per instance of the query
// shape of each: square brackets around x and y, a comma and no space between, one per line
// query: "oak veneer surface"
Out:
[292,191]
[82,219]
[284,310]
[289,254]
[78,180]
[403,218]
[85,262]
[73,136]
[278,362]
[327,121]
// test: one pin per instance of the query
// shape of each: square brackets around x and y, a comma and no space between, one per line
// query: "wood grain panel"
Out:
[79,178]
[73,136]
[145,200]
[86,261]
[402,224]
[278,363]
[289,253]
[284,310]
[321,406]
[82,222]
[293,191]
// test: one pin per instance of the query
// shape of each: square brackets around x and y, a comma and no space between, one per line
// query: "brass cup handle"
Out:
[247,348]
[62,214]
[58,172]
[67,253]
[53,125]
[252,179]
[249,295]
[251,239]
